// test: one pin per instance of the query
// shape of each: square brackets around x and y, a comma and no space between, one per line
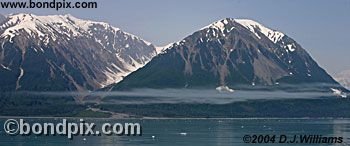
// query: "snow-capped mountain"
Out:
[344,78]
[61,52]
[230,53]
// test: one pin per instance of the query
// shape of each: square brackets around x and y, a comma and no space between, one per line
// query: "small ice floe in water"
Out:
[339,93]
[183,133]
[224,89]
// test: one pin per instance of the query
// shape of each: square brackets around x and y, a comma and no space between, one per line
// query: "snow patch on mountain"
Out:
[221,25]
[5,67]
[48,26]
[225,26]
[290,47]
[254,27]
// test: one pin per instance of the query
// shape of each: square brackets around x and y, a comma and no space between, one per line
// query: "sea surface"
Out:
[189,132]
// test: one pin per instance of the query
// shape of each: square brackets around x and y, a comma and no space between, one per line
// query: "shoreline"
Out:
[182,118]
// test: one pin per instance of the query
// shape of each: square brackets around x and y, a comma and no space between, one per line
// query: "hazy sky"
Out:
[320,26]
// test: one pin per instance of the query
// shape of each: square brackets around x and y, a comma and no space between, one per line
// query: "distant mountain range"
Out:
[64,53]
[228,54]
[344,78]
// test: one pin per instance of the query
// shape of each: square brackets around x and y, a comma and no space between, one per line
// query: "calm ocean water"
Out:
[188,132]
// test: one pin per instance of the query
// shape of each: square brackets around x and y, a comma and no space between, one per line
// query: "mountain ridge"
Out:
[88,55]
[271,56]
[75,54]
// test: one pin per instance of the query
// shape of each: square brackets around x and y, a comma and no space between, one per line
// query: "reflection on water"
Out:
[189,132]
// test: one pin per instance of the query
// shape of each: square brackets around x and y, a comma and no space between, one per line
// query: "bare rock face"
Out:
[230,53]
[64,53]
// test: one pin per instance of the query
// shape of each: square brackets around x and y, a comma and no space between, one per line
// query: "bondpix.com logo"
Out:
[70,129]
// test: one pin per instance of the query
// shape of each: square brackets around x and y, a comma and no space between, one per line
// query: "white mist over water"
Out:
[200,96]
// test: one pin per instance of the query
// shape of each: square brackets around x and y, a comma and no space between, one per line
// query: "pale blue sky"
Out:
[320,26]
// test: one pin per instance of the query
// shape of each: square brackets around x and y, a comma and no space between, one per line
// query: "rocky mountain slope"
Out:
[61,53]
[231,53]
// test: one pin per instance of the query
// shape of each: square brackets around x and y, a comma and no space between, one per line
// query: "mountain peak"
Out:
[64,24]
[99,53]
[251,25]
[224,26]
[254,26]
[221,24]
[230,53]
